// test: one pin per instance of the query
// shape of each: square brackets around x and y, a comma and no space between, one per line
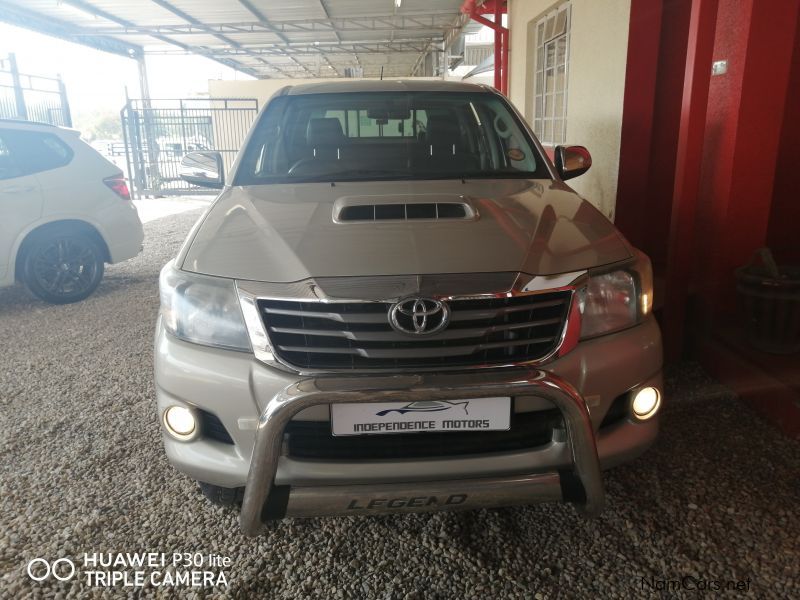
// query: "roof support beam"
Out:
[438,23]
[264,22]
[338,37]
[21,17]
[324,48]
[88,8]
[200,25]
[455,27]
[423,34]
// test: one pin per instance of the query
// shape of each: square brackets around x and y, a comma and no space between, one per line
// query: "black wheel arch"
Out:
[66,226]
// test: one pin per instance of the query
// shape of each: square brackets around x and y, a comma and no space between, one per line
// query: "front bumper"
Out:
[405,497]
[255,403]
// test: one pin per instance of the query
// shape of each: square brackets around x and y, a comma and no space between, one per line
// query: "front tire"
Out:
[63,267]
[231,497]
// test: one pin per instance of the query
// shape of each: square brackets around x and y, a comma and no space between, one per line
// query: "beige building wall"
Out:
[261,89]
[595,86]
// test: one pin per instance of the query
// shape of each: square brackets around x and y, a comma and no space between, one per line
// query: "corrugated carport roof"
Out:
[264,38]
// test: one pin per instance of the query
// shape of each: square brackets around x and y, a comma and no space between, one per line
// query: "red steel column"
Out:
[506,47]
[498,49]
[641,75]
[500,37]
[702,28]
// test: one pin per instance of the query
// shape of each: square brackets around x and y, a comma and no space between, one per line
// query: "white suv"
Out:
[64,212]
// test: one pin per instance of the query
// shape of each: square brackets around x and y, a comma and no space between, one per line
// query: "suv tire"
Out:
[63,267]
[222,496]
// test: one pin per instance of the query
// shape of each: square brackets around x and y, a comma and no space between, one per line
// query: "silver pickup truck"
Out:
[396,304]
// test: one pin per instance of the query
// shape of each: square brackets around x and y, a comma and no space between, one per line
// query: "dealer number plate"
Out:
[479,414]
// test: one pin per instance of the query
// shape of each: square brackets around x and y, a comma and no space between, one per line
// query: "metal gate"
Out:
[32,97]
[157,133]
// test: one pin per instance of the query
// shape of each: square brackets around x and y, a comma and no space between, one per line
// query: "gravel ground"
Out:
[83,471]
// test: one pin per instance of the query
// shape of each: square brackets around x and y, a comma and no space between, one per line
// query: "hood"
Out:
[289,232]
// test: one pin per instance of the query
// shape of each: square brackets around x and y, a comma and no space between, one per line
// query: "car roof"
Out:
[37,126]
[6,120]
[26,124]
[383,85]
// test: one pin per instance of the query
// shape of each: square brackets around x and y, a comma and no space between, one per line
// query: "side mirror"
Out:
[204,169]
[572,161]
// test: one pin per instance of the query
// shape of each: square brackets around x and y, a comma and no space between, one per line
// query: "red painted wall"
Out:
[666,124]
[641,74]
[743,133]
[652,111]
[722,118]
[783,235]
[748,193]
[745,201]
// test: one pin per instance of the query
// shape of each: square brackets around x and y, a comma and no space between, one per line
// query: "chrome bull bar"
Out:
[304,501]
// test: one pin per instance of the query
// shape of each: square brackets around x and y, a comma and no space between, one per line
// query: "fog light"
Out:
[180,422]
[646,403]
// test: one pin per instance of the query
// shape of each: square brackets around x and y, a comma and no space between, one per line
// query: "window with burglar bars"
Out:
[550,83]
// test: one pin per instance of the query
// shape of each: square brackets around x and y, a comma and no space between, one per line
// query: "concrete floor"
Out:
[152,209]
[83,471]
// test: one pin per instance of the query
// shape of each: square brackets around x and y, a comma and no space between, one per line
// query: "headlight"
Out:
[202,309]
[617,299]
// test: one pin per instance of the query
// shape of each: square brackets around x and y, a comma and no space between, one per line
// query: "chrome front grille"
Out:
[358,335]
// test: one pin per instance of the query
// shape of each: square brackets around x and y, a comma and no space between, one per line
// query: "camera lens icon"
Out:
[62,569]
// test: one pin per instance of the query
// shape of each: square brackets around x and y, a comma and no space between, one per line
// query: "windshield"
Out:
[388,135]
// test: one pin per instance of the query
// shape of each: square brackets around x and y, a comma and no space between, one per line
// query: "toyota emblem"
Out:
[419,316]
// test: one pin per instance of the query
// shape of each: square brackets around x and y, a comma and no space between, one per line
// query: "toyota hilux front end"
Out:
[396,305]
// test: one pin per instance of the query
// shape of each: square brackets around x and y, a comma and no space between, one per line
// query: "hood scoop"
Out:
[422,207]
